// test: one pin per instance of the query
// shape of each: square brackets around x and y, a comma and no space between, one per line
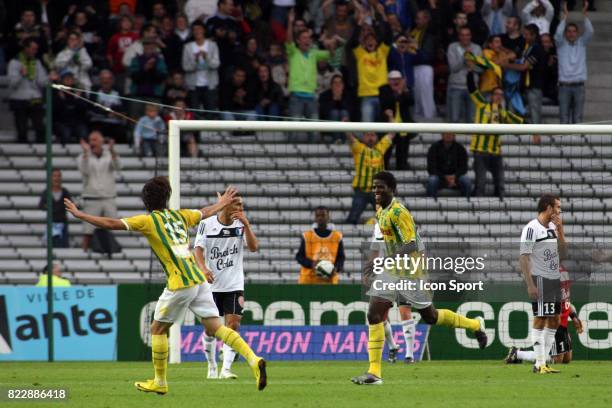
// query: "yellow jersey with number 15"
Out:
[168,234]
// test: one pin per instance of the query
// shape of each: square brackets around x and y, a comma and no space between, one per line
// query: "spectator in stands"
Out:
[325,72]
[226,31]
[571,52]
[171,44]
[117,45]
[533,69]
[175,88]
[56,277]
[181,27]
[268,94]
[278,66]
[302,58]
[321,243]
[27,28]
[495,13]
[447,163]
[458,106]
[238,97]
[334,104]
[540,13]
[200,63]
[86,22]
[478,28]
[98,165]
[75,59]
[60,219]
[403,57]
[513,39]
[107,95]
[426,43]
[158,12]
[249,58]
[550,87]
[396,102]
[27,79]
[368,156]
[494,52]
[148,133]
[148,72]
[69,112]
[452,32]
[148,31]
[487,148]
[371,58]
[189,144]
[338,22]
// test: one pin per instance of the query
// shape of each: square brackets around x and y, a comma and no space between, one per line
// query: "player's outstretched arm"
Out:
[100,222]
[224,200]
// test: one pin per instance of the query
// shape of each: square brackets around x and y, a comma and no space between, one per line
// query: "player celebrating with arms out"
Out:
[168,234]
[223,236]
[401,237]
[542,248]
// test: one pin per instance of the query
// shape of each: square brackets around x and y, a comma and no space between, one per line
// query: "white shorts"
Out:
[417,298]
[172,305]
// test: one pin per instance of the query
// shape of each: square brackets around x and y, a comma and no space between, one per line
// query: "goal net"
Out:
[284,171]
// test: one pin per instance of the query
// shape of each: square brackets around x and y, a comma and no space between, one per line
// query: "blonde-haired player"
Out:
[168,234]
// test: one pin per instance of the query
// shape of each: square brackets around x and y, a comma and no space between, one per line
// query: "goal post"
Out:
[175,127]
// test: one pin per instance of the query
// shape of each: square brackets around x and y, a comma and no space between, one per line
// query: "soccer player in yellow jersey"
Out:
[401,237]
[168,234]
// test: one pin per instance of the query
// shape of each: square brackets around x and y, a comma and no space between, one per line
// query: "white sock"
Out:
[228,357]
[549,340]
[210,350]
[539,347]
[389,335]
[408,328]
[525,355]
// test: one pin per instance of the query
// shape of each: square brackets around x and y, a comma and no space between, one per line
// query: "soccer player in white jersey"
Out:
[218,251]
[542,249]
[405,309]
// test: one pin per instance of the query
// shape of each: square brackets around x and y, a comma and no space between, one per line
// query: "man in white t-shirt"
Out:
[201,62]
[218,251]
[542,248]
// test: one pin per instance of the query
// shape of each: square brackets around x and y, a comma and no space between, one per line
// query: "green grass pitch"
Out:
[320,384]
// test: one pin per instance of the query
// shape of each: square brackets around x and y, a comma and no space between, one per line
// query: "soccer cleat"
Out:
[227,375]
[409,360]
[552,370]
[481,336]
[259,370]
[212,373]
[544,369]
[393,355]
[367,379]
[150,386]
[512,357]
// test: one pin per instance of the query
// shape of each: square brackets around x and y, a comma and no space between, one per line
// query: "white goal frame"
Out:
[176,126]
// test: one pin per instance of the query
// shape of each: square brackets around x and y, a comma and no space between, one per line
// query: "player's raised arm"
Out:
[224,200]
[249,235]
[100,222]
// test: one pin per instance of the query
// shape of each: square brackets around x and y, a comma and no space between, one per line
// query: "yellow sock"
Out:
[233,339]
[160,357]
[451,319]
[376,342]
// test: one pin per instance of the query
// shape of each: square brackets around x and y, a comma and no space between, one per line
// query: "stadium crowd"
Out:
[489,61]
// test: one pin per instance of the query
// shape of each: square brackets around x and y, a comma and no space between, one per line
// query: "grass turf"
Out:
[320,384]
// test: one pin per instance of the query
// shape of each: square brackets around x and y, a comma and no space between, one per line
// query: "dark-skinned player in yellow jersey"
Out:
[401,237]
